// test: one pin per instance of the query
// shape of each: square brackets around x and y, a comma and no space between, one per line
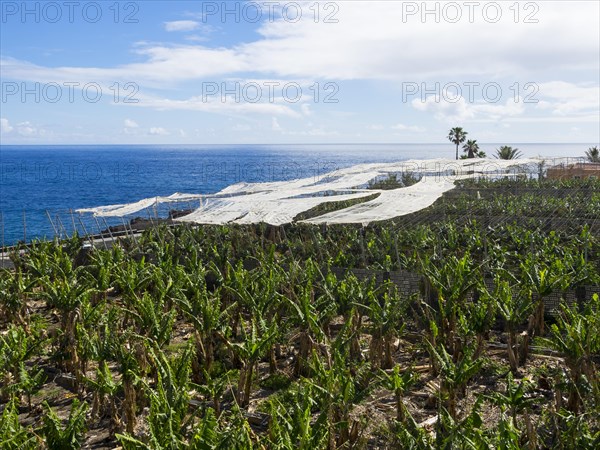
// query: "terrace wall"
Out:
[410,283]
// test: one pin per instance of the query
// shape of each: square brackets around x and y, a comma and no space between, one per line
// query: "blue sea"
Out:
[41,185]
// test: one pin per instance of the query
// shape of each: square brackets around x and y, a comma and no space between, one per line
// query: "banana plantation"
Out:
[262,337]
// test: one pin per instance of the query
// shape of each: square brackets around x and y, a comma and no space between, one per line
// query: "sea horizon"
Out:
[38,181]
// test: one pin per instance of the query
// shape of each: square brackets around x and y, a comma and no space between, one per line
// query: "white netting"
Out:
[132,208]
[279,202]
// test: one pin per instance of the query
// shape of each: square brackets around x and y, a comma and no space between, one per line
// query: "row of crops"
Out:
[240,337]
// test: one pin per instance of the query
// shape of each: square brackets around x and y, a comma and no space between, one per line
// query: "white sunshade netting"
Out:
[280,202]
[132,208]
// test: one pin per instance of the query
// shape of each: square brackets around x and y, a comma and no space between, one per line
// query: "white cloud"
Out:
[364,45]
[26,129]
[413,128]
[312,132]
[568,99]
[195,38]
[182,25]
[369,42]
[130,123]
[275,124]
[158,131]
[463,110]
[215,105]
[375,127]
[5,126]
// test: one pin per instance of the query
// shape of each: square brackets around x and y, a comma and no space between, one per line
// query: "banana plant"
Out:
[542,279]
[572,432]
[339,390]
[399,382]
[167,282]
[67,294]
[255,342]
[507,436]
[214,387]
[40,259]
[16,347]
[132,369]
[516,400]
[352,295]
[409,435]
[231,432]
[104,388]
[477,318]
[385,310]
[169,421]
[514,308]
[89,343]
[16,288]
[28,383]
[576,336]
[467,433]
[71,435]
[452,280]
[454,375]
[13,435]
[307,314]
[132,278]
[205,311]
[293,426]
[151,317]
[100,272]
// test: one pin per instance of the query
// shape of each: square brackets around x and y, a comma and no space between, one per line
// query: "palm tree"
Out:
[593,154]
[471,148]
[457,136]
[507,152]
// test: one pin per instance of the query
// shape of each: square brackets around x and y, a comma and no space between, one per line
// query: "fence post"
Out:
[24,227]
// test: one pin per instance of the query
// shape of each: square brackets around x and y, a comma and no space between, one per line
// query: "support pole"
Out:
[51,223]
[109,232]
[101,233]
[64,230]
[90,236]
[2,224]
[73,221]
[24,227]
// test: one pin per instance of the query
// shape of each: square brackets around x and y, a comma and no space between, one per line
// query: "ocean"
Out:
[41,185]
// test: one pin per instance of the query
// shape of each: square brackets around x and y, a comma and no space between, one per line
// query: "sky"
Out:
[276,72]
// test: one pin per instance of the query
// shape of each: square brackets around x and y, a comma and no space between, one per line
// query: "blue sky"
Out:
[302,72]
